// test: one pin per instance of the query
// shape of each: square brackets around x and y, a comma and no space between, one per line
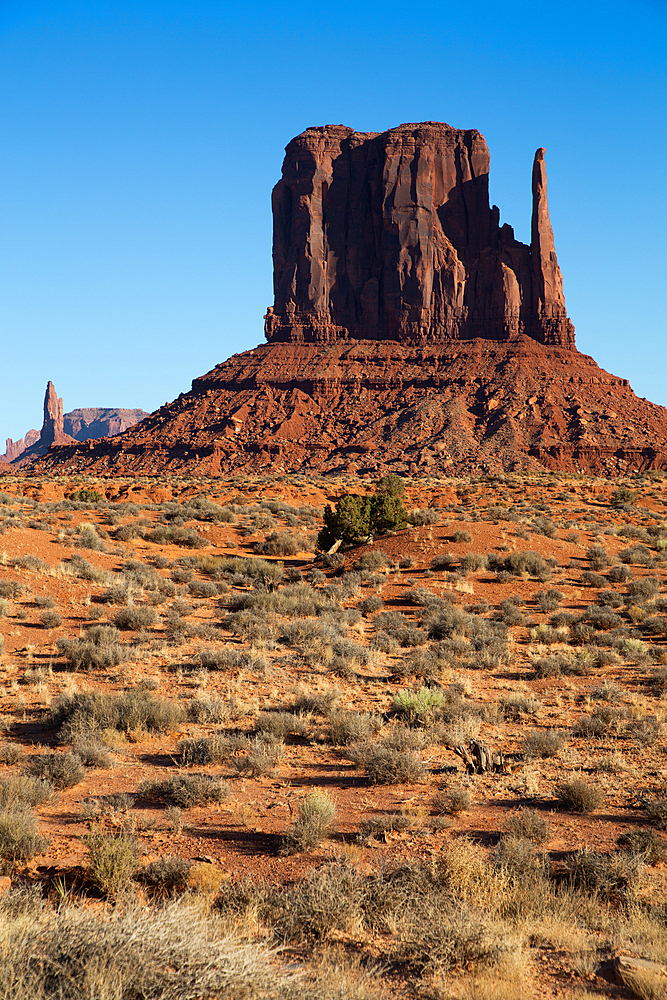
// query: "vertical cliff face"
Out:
[53,431]
[390,236]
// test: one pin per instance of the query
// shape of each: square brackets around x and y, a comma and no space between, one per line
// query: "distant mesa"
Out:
[410,332]
[60,428]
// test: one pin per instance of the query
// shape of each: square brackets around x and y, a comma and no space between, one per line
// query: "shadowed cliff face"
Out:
[391,237]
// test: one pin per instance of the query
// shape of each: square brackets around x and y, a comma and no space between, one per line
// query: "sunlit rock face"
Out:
[390,236]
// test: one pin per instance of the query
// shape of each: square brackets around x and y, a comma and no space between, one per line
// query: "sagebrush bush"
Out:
[644,842]
[529,825]
[86,712]
[346,727]
[99,650]
[452,801]
[418,706]
[135,618]
[313,822]
[19,840]
[543,743]
[577,795]
[165,876]
[61,770]
[262,757]
[177,951]
[188,790]
[385,766]
[24,790]
[113,859]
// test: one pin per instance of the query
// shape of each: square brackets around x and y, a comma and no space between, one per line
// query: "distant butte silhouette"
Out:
[66,428]
[410,332]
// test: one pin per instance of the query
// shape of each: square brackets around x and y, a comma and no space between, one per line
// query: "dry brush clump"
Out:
[314,821]
[179,951]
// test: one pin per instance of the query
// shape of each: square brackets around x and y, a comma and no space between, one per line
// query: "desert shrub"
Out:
[99,650]
[515,706]
[313,822]
[544,526]
[590,579]
[134,618]
[638,555]
[23,790]
[461,536]
[607,691]
[208,749]
[165,876]
[509,613]
[622,496]
[91,751]
[357,519]
[419,706]
[419,517]
[19,840]
[113,859]
[377,826]
[634,532]
[656,810]
[172,535]
[601,618]
[85,712]
[445,560]
[61,770]
[385,766]
[282,724]
[401,737]
[643,589]
[598,557]
[50,619]
[610,598]
[370,604]
[548,600]
[645,842]
[231,659]
[645,730]
[177,950]
[608,876]
[577,795]
[203,588]
[88,538]
[86,495]
[371,560]
[524,562]
[188,790]
[10,588]
[347,727]
[528,824]
[9,753]
[282,543]
[262,758]
[604,721]
[471,562]
[543,743]
[451,801]
[128,532]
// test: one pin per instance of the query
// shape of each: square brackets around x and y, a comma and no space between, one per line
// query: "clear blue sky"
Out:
[140,141]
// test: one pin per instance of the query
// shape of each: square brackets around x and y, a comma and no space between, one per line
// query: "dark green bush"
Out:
[357,519]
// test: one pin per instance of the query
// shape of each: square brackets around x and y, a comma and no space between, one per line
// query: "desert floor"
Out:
[194,705]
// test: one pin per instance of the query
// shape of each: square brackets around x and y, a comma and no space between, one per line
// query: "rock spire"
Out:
[390,236]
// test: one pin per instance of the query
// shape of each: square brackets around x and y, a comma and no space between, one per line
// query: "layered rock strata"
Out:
[378,406]
[391,236]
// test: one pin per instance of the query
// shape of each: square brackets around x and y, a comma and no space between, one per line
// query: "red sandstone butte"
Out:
[59,428]
[409,333]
